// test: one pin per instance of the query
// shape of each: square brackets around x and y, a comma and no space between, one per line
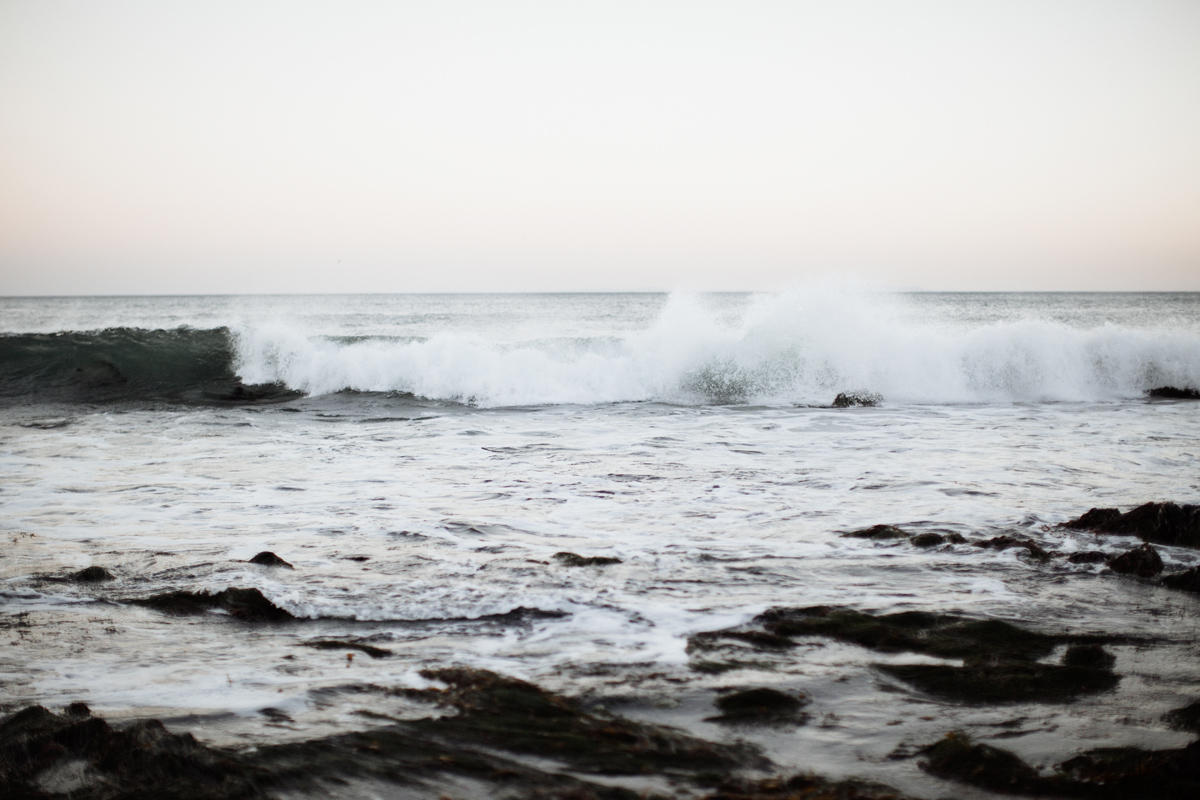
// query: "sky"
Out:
[280,147]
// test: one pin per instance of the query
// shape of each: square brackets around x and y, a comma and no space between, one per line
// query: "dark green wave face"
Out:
[183,365]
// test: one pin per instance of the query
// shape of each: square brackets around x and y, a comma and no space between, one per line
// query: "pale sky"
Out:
[236,147]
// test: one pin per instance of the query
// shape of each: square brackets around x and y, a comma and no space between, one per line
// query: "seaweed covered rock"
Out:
[1001,662]
[761,706]
[877,533]
[1187,581]
[576,560]
[43,754]
[510,714]
[957,758]
[268,559]
[1142,561]
[1157,523]
[244,604]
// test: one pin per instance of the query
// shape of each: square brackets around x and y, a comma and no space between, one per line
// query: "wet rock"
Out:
[1157,523]
[1142,561]
[334,644]
[510,714]
[877,533]
[85,758]
[802,787]
[268,559]
[244,604]
[1174,393]
[1008,542]
[1186,718]
[92,575]
[1088,557]
[1187,581]
[1000,661]
[857,399]
[1091,656]
[932,539]
[762,706]
[957,758]
[1125,773]
[576,560]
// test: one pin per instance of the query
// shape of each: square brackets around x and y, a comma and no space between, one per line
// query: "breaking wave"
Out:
[786,349]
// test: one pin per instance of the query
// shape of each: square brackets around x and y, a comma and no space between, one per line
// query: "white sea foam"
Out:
[801,347]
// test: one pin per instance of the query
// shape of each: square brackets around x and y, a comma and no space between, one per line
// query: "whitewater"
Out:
[422,460]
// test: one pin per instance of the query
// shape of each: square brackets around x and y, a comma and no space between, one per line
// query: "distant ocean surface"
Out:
[420,460]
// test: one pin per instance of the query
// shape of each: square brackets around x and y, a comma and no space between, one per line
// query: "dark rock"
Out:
[857,399]
[1142,561]
[333,644]
[142,761]
[1088,557]
[986,681]
[1187,581]
[92,575]
[576,560]
[957,758]
[801,787]
[1174,393]
[497,711]
[762,706]
[245,604]
[877,532]
[929,539]
[1091,656]
[268,559]
[1186,718]
[1094,519]
[1008,542]
[1157,523]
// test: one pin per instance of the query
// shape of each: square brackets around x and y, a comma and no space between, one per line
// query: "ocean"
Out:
[421,461]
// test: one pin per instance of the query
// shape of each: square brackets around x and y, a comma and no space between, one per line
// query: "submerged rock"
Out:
[1187,581]
[761,706]
[1186,718]
[576,560]
[334,644]
[245,604]
[1175,393]
[1157,523]
[932,539]
[510,714]
[1000,660]
[857,399]
[1008,542]
[1088,557]
[268,559]
[1111,773]
[877,532]
[1142,561]
[802,787]
[92,575]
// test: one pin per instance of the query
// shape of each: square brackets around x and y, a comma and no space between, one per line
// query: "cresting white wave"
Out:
[785,349]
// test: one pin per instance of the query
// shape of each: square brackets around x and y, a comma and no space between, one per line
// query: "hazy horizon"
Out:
[311,148]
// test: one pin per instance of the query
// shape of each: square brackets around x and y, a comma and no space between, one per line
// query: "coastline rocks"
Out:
[268,559]
[244,604]
[857,400]
[761,706]
[1088,557]
[1174,393]
[1156,523]
[576,560]
[1186,718]
[932,539]
[334,644]
[1187,581]
[92,575]
[1142,561]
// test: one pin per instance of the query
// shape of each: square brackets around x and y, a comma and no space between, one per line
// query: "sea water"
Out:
[420,460]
